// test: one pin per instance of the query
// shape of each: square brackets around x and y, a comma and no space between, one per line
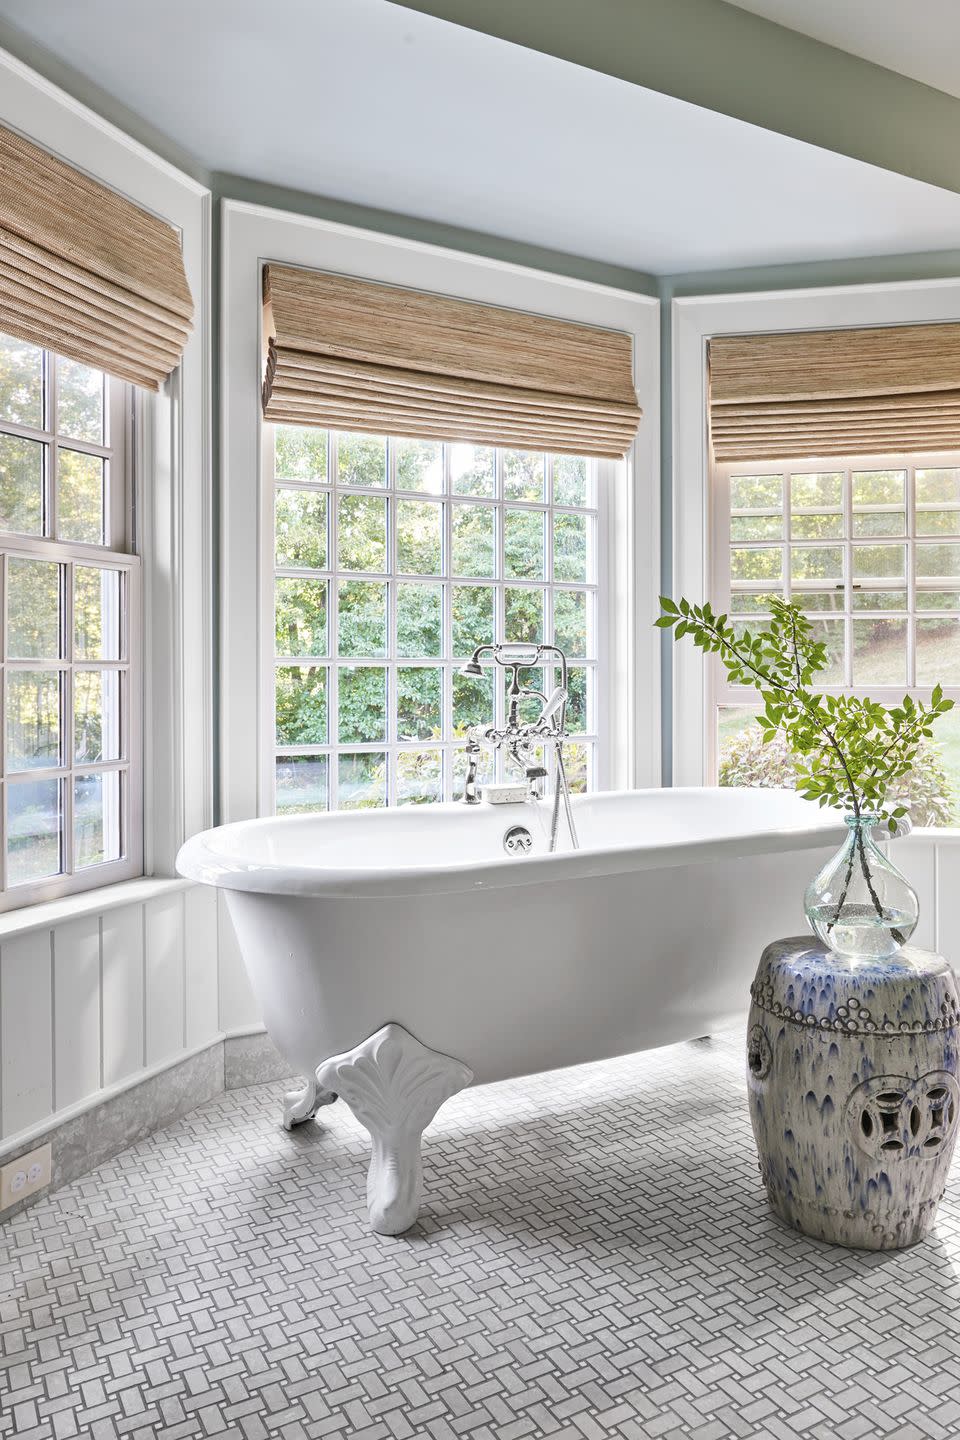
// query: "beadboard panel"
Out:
[122,996]
[948,903]
[91,1004]
[76,1010]
[164,981]
[917,858]
[201,969]
[26,1030]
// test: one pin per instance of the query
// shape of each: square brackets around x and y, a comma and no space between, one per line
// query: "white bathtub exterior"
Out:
[647,935]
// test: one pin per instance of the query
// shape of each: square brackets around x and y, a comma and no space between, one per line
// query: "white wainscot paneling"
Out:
[948,903]
[238,1008]
[123,993]
[164,978]
[26,1041]
[917,858]
[202,1004]
[76,1010]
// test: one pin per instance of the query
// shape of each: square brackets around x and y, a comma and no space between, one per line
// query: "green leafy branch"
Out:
[849,752]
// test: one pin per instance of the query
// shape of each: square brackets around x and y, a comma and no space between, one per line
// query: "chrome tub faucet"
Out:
[520,740]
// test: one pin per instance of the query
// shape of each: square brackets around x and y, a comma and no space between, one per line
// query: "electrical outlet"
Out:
[24,1176]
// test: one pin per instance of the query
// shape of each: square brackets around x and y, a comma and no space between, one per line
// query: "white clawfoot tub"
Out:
[399,955]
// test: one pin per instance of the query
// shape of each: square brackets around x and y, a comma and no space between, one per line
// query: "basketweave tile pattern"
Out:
[595,1259]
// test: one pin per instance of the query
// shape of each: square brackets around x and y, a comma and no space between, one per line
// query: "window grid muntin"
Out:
[110,451]
[68,666]
[911,543]
[447,662]
[116,515]
[720,693]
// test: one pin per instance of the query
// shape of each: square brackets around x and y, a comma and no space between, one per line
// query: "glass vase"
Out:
[860,905]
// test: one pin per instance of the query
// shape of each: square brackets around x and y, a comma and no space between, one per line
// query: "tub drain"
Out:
[518,840]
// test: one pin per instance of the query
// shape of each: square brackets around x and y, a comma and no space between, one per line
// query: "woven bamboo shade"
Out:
[835,392]
[357,356]
[86,272]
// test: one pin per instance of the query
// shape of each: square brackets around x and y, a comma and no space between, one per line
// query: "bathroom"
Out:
[381,887]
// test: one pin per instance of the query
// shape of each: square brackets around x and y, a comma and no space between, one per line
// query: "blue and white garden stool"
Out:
[852,1071]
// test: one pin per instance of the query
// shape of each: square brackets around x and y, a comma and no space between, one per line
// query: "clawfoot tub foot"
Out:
[300,1105]
[394,1086]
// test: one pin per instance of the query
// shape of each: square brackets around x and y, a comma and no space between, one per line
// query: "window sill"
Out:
[48,913]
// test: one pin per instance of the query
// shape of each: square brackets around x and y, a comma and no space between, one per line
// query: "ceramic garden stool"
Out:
[852,1071]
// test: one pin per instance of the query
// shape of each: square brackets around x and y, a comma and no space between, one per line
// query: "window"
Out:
[870,548]
[393,560]
[70,600]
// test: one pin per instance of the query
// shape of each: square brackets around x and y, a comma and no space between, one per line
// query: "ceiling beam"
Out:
[717,56]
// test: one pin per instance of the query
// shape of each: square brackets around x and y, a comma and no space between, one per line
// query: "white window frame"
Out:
[171,461]
[628,553]
[718,690]
[118,552]
[601,481]
[694,321]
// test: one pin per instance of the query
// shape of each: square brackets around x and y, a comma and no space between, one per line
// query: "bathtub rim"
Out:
[201,861]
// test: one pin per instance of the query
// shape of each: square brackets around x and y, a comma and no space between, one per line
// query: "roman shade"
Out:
[835,392]
[86,272]
[353,355]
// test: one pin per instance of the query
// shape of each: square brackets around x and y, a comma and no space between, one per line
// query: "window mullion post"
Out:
[333,621]
[3,712]
[911,514]
[267,710]
[391,685]
[715,686]
[847,617]
[787,532]
[118,433]
[51,526]
[447,753]
[68,724]
[499,608]
[549,672]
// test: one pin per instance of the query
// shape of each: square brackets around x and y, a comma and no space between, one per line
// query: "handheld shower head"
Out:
[555,701]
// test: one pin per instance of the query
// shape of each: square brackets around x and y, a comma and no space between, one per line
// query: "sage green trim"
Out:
[872,270]
[725,59]
[432,232]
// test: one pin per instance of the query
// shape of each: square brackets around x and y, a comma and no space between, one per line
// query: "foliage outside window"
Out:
[394,558]
[870,550]
[68,589]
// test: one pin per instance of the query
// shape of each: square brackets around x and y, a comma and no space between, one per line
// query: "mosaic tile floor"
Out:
[595,1259]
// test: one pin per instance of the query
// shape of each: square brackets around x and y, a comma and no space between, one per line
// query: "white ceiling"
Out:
[368,102]
[919,38]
